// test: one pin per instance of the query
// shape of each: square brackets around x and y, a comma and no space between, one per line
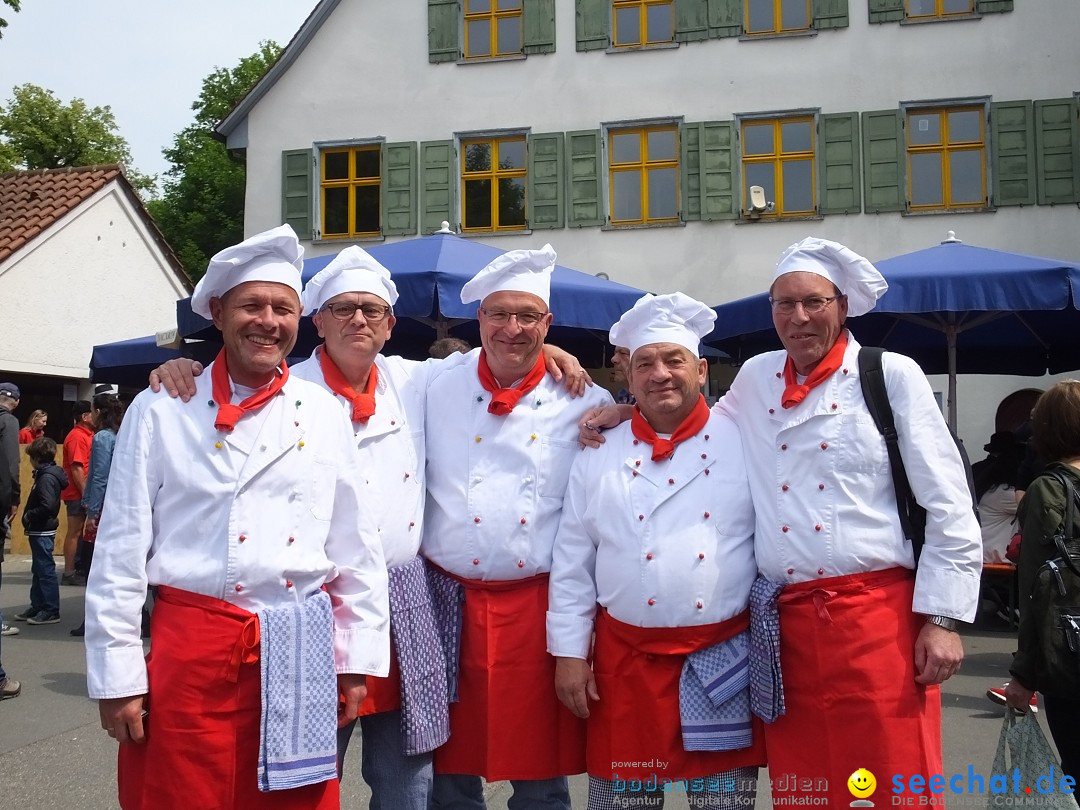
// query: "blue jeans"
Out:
[463,792]
[397,782]
[44,587]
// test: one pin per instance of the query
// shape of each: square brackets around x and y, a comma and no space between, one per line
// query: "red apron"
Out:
[508,722]
[383,694]
[637,718]
[847,656]
[205,706]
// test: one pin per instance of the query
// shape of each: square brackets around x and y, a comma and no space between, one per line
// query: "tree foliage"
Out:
[201,209]
[14,5]
[38,131]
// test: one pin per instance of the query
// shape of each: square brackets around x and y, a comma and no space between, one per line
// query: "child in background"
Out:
[40,522]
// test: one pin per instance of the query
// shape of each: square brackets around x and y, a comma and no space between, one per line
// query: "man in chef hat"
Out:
[655,553]
[867,632]
[501,435]
[239,507]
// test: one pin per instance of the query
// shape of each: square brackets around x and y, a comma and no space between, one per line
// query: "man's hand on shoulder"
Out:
[938,654]
[177,377]
[596,420]
[561,364]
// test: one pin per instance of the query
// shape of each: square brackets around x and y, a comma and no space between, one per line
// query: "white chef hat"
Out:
[354,270]
[853,275]
[673,318]
[274,255]
[514,271]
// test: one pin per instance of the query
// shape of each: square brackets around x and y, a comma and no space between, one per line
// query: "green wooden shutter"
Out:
[546,174]
[707,161]
[438,181]
[1057,149]
[830,14]
[883,161]
[884,11]
[593,18]
[584,173]
[993,6]
[691,20]
[296,166]
[1013,152]
[538,22]
[838,164]
[399,189]
[725,18]
[444,21]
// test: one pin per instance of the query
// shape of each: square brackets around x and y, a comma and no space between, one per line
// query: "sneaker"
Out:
[79,631]
[26,614]
[8,630]
[997,695]
[73,578]
[9,688]
[44,618]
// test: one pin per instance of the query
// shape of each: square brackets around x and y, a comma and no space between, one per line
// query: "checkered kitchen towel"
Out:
[766,681]
[298,740]
[448,600]
[425,709]
[714,702]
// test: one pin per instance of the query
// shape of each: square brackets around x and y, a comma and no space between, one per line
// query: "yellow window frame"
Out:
[778,19]
[642,165]
[494,174]
[643,22]
[938,12]
[778,157]
[945,148]
[493,15]
[350,182]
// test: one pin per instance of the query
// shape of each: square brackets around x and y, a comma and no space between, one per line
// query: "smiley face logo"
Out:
[862,784]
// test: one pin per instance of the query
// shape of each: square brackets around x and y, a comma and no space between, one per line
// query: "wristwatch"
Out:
[944,621]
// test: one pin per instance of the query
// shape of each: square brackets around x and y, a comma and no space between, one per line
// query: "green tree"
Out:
[14,5]
[201,209]
[38,131]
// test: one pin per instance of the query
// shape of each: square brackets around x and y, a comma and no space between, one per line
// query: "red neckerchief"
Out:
[503,400]
[228,414]
[663,448]
[363,404]
[794,393]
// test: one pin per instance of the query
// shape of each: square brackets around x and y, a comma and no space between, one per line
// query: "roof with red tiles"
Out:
[32,201]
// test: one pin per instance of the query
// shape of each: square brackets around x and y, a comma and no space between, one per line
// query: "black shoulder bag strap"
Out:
[1064,538]
[872,380]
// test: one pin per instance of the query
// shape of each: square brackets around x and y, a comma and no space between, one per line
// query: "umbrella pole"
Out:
[950,335]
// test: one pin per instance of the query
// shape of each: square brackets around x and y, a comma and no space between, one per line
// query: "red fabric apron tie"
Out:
[228,414]
[503,400]
[664,448]
[246,649]
[363,403]
[794,392]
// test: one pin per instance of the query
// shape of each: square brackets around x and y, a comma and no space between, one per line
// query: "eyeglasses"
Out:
[525,319]
[345,310]
[811,306]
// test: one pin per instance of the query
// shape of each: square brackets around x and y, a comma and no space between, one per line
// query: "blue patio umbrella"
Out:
[128,362]
[954,308]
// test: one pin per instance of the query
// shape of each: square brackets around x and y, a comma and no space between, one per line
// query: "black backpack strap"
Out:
[1065,537]
[872,380]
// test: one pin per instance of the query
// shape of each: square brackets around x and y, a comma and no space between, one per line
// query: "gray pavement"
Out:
[54,755]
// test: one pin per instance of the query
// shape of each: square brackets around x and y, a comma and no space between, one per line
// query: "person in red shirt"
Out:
[35,427]
[76,462]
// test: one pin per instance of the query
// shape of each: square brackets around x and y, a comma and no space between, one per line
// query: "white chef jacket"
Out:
[496,483]
[659,544]
[822,486]
[262,521]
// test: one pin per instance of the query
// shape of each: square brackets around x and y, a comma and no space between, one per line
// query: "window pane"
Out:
[924,128]
[957,7]
[367,163]
[335,210]
[795,136]
[479,33]
[511,201]
[760,174]
[926,179]
[335,165]
[509,33]
[964,126]
[661,144]
[798,178]
[474,6]
[511,154]
[507,5]
[627,26]
[658,18]
[758,139]
[761,16]
[367,209]
[625,147]
[662,198]
[965,177]
[920,8]
[794,15]
[626,196]
[478,204]
[477,157]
